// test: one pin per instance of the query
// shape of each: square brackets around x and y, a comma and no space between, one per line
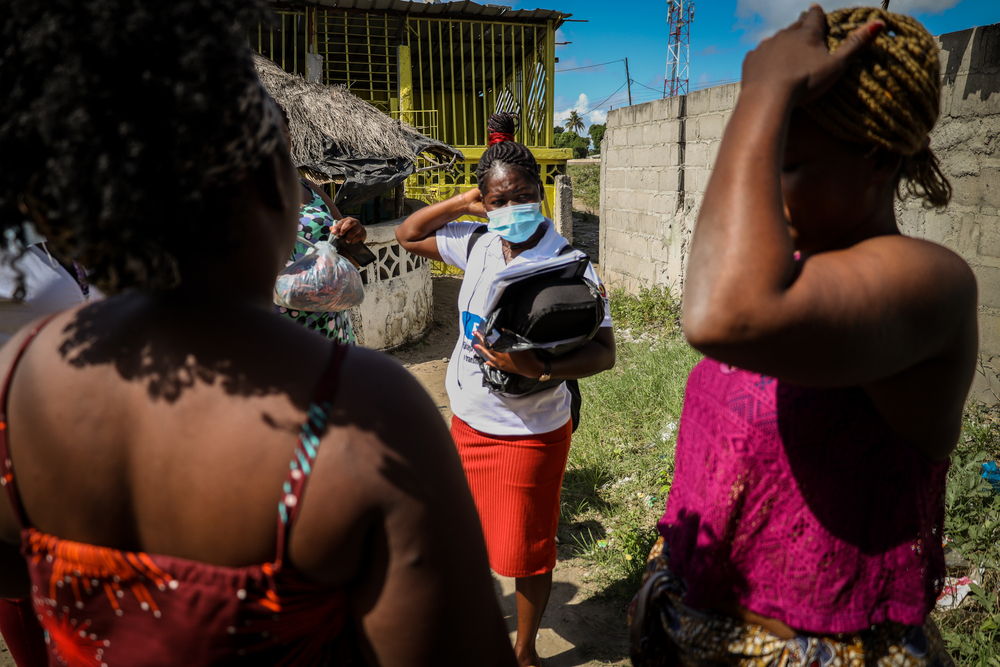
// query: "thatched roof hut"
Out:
[340,138]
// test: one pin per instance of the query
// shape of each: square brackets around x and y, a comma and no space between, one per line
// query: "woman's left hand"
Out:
[524,363]
[349,229]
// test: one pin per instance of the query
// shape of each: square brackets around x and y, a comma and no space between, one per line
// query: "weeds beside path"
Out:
[972,530]
[621,461]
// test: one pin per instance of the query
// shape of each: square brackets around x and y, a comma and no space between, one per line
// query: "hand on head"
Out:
[473,200]
[798,58]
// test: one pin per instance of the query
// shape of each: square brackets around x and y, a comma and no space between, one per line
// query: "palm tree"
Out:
[574,123]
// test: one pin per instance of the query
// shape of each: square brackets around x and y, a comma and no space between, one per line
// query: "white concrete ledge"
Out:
[398,305]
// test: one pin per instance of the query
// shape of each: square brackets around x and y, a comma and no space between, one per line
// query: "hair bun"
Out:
[504,149]
[504,122]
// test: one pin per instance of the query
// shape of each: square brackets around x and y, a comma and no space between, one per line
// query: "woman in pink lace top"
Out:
[804,522]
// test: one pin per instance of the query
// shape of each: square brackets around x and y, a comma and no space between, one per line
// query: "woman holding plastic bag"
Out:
[320,222]
[513,447]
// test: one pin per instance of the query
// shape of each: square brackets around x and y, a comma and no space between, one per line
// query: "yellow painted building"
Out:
[442,67]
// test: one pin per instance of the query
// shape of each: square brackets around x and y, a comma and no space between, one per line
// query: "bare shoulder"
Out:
[926,260]
[409,447]
[387,454]
[924,402]
[393,517]
[382,396]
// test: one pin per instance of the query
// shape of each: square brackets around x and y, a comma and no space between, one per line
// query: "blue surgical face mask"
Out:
[516,224]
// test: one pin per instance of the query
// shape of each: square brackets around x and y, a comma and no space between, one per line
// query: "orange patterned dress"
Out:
[100,606]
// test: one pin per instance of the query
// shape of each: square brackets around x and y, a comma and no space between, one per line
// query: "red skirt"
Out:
[515,482]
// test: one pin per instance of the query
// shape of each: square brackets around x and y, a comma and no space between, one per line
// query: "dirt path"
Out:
[580,628]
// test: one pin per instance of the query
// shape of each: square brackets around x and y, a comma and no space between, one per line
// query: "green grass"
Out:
[653,311]
[621,466]
[586,184]
[622,455]
[972,523]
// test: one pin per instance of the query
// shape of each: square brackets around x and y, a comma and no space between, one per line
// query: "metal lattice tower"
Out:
[680,14]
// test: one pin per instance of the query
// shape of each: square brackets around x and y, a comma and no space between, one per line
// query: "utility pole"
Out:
[628,82]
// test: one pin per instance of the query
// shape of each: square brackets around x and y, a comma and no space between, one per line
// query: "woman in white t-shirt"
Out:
[513,448]
[49,286]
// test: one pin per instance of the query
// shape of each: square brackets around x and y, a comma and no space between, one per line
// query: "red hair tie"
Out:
[498,137]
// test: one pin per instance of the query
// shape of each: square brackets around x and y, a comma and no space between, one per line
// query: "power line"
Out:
[645,86]
[698,86]
[573,69]
[709,84]
[599,104]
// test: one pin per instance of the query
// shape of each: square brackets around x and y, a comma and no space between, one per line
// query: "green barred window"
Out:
[436,69]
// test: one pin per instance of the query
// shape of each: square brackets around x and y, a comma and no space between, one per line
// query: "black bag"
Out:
[561,307]
[554,312]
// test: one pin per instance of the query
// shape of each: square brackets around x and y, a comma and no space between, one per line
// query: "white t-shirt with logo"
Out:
[471,400]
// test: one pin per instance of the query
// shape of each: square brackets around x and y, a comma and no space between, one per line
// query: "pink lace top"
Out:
[801,504]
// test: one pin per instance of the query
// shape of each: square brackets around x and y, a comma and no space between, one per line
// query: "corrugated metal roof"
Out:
[462,9]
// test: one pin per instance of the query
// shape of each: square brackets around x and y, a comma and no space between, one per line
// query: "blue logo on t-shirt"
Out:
[470,323]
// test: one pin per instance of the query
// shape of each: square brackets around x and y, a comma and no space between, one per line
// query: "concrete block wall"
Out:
[656,159]
[967,143]
[655,162]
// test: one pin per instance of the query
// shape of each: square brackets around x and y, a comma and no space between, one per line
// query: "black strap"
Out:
[477,233]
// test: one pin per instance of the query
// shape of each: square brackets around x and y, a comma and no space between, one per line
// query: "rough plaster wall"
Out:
[967,142]
[396,310]
[562,214]
[656,158]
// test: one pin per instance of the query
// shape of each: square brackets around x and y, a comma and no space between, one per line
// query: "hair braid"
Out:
[890,97]
[505,151]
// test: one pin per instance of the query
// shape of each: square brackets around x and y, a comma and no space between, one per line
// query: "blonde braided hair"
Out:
[889,97]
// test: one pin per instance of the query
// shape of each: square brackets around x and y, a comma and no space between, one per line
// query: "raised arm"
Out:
[350,229]
[417,233]
[851,316]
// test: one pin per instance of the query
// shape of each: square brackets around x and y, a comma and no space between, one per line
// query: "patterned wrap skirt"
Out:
[516,482]
[665,631]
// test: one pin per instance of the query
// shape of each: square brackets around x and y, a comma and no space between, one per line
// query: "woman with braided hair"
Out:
[513,448]
[804,522]
[178,487]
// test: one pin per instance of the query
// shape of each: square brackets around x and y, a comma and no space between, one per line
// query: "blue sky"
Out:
[722,32]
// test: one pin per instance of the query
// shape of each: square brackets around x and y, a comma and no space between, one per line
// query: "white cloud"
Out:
[761,18]
[598,116]
[582,107]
